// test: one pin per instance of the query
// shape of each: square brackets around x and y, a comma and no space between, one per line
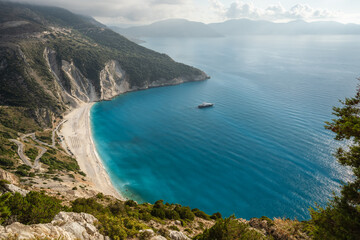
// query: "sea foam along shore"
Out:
[78,137]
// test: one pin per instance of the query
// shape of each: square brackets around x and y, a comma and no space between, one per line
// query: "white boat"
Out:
[205,105]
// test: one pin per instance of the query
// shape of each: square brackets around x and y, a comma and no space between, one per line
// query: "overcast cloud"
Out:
[147,11]
[277,12]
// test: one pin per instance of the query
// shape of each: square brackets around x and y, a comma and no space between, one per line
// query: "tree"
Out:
[341,218]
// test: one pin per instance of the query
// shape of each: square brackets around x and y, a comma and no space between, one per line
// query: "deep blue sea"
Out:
[261,150]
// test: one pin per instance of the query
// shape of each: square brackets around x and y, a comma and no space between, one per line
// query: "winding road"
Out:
[21,152]
[43,150]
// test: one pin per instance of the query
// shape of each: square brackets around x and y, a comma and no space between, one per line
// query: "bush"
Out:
[6,162]
[35,207]
[230,229]
[89,205]
[158,212]
[117,208]
[100,196]
[145,216]
[172,214]
[130,203]
[200,214]
[185,213]
[216,216]
[112,227]
[21,173]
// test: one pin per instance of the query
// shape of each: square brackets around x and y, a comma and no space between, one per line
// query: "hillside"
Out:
[52,59]
[179,28]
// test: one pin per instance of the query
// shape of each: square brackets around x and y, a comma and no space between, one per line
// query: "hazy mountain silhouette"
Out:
[250,27]
[170,28]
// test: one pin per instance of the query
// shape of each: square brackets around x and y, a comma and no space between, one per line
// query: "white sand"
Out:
[77,134]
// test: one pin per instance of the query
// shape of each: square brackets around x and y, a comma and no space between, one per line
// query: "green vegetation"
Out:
[200,214]
[341,218]
[14,119]
[124,219]
[35,207]
[31,153]
[230,229]
[117,221]
[59,162]
[23,170]
[44,136]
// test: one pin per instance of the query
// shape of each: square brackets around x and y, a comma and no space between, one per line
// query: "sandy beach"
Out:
[77,135]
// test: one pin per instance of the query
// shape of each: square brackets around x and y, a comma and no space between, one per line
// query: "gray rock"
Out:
[65,225]
[176,235]
[13,189]
[158,237]
[147,233]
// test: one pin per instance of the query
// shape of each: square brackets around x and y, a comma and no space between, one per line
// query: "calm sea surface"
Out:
[261,150]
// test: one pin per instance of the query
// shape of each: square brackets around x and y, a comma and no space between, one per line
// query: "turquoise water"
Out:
[261,150]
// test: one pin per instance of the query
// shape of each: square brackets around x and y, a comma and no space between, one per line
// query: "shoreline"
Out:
[78,138]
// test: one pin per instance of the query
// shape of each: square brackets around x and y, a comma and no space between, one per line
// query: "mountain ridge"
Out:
[183,28]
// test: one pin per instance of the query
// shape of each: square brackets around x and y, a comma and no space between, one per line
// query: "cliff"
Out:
[52,60]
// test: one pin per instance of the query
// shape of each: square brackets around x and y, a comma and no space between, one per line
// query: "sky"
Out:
[139,12]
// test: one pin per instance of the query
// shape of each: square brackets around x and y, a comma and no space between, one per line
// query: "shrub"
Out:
[88,205]
[100,196]
[230,229]
[158,212]
[172,214]
[200,214]
[216,215]
[21,173]
[145,216]
[130,203]
[35,207]
[185,213]
[117,208]
[6,162]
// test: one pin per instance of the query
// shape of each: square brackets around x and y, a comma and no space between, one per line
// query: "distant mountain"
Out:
[121,31]
[180,28]
[250,27]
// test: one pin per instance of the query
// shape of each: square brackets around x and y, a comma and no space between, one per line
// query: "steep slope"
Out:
[52,59]
[170,28]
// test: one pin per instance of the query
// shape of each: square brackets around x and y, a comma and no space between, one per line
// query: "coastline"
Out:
[76,131]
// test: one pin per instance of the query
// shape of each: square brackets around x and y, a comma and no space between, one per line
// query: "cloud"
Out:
[134,11]
[241,9]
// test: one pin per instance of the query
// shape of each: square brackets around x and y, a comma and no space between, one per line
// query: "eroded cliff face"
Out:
[74,88]
[62,92]
[80,87]
[113,80]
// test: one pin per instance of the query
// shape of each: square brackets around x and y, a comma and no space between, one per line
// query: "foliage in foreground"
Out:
[120,220]
[230,229]
[35,207]
[341,218]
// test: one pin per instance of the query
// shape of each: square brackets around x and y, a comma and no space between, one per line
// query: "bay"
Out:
[262,150]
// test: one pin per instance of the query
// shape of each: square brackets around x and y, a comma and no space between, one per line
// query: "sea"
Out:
[262,150]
